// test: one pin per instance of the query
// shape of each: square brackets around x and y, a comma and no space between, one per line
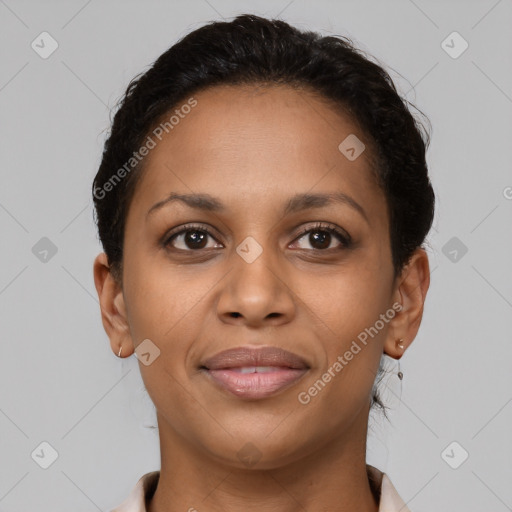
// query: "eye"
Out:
[190,238]
[321,236]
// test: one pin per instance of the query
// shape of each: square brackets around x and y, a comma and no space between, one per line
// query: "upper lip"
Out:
[248,356]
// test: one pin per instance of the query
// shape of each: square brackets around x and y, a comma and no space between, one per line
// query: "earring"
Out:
[401,346]
[119,355]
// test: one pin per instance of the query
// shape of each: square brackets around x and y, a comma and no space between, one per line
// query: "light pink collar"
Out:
[390,501]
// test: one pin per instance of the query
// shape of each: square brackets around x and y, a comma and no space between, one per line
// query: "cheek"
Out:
[168,306]
[342,385]
[348,300]
[163,307]
[347,317]
[158,297]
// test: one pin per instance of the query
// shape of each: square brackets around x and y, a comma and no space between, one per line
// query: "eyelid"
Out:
[329,227]
[337,231]
[190,227]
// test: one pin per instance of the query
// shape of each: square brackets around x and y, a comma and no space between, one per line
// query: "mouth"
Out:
[252,373]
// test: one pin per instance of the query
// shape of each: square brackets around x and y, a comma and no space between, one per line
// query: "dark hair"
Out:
[254,50]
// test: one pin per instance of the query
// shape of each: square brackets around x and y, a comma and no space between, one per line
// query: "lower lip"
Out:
[256,385]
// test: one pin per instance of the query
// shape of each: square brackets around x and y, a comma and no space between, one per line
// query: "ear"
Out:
[410,291]
[113,308]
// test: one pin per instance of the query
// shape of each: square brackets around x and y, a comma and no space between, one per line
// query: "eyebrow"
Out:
[296,203]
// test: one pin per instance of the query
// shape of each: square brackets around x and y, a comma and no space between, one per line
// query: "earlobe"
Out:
[411,290]
[113,308]
[397,350]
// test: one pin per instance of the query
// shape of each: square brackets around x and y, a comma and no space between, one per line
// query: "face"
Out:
[258,265]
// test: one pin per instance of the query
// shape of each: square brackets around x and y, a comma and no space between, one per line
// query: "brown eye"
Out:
[320,237]
[191,238]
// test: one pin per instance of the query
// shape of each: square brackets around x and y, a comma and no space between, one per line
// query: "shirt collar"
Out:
[380,483]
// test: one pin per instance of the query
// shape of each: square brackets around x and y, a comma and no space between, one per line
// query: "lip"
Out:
[280,369]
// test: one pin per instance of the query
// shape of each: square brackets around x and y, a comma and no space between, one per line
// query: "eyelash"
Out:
[329,228]
[342,236]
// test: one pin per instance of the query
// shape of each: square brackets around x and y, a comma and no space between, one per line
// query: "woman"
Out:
[262,203]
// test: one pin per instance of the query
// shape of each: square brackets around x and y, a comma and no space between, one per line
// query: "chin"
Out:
[258,450]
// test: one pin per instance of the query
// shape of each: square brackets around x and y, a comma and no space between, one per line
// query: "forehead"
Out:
[255,144]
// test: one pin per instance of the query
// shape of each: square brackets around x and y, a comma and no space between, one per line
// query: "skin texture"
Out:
[253,148]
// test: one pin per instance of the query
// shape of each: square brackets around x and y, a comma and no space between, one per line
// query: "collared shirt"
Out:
[380,483]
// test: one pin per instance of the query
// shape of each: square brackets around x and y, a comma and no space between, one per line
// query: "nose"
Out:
[256,293]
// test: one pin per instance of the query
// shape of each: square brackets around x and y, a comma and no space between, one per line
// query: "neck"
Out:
[333,477]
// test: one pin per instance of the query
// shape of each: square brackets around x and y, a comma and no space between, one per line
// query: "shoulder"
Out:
[140,494]
[389,499]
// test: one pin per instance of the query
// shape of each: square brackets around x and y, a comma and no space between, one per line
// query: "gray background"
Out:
[59,380]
